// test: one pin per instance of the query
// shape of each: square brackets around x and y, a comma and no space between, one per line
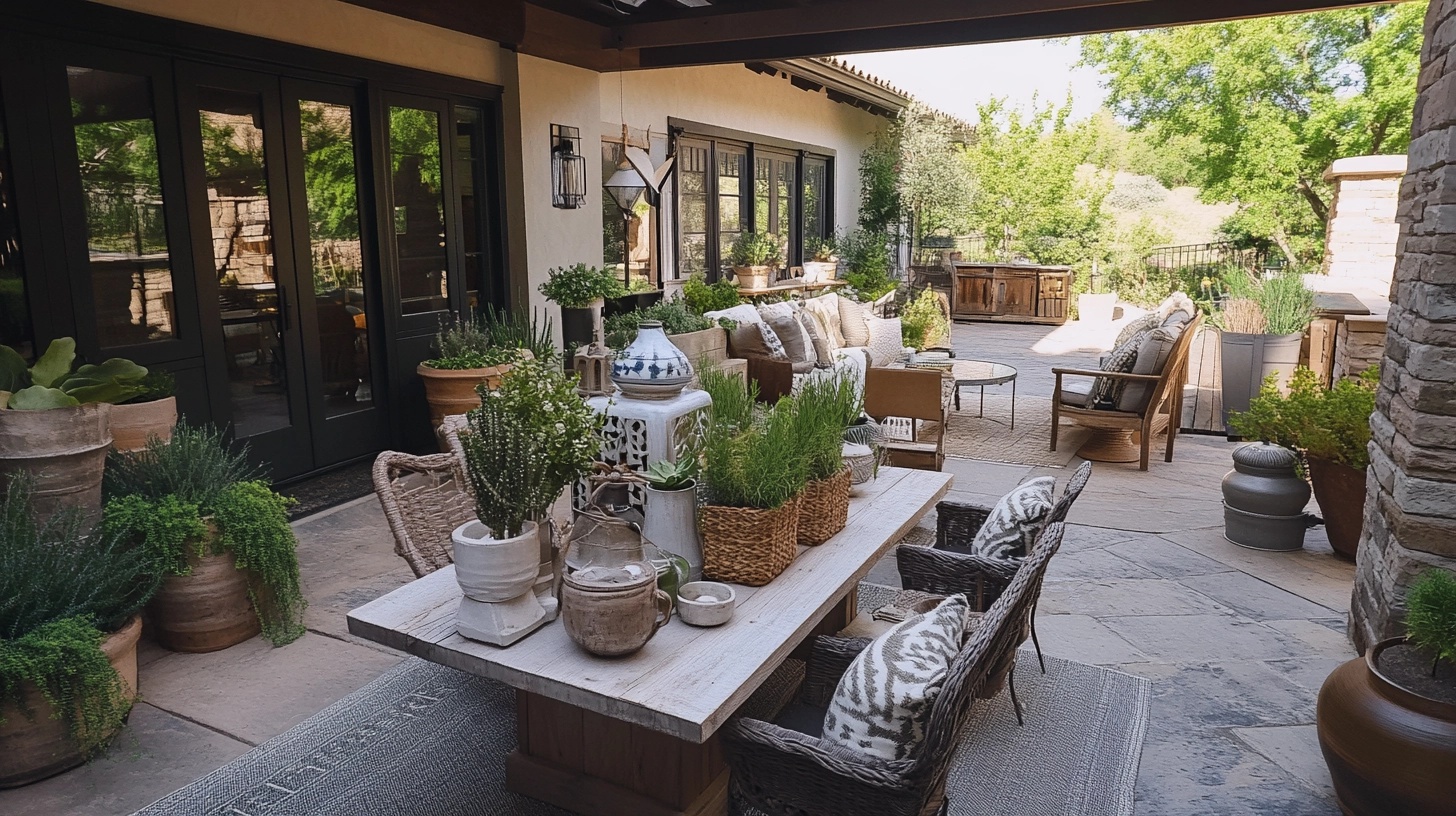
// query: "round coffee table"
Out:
[983,373]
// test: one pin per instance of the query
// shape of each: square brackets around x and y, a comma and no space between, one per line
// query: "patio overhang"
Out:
[627,34]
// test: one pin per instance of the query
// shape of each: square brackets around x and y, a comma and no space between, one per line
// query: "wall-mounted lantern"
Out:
[568,168]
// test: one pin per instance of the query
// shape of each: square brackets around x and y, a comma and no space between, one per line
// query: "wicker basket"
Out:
[743,545]
[824,508]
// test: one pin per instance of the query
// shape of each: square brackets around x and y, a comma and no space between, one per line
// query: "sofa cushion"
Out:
[791,336]
[886,342]
[1106,390]
[854,322]
[823,354]
[883,701]
[784,308]
[1173,305]
[1152,356]
[1137,326]
[741,314]
[755,339]
[1077,391]
[1016,520]
[824,311]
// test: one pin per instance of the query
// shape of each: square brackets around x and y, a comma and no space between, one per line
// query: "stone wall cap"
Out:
[1367,167]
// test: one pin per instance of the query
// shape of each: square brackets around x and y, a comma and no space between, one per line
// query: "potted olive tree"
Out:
[69,626]
[755,256]
[1331,428]
[580,291]
[218,536]
[1387,721]
[1262,326]
[477,350]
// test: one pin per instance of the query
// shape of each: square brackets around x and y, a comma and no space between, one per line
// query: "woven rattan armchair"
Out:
[784,772]
[424,500]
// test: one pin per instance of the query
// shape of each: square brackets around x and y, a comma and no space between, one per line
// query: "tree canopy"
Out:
[1265,105]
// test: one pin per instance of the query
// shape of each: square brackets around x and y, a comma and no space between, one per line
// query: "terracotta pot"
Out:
[205,610]
[613,620]
[63,450]
[753,277]
[1340,491]
[32,749]
[1389,751]
[132,424]
[452,391]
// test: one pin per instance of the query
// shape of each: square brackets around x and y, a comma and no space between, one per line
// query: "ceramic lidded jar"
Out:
[1264,499]
[651,367]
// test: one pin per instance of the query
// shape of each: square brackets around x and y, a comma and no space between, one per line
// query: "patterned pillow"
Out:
[742,314]
[854,322]
[884,699]
[824,310]
[1106,390]
[792,337]
[885,341]
[1137,326]
[1016,520]
[823,354]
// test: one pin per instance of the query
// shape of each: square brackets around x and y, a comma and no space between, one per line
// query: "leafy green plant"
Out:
[761,466]
[490,337]
[252,522]
[679,475]
[158,384]
[701,296]
[734,399]
[821,249]
[922,323]
[1330,424]
[195,466]
[528,440]
[672,314]
[1287,303]
[823,409]
[578,285]
[1430,620]
[640,286]
[866,257]
[51,382]
[755,249]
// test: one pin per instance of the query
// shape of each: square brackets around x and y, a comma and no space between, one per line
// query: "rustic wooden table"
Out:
[635,736]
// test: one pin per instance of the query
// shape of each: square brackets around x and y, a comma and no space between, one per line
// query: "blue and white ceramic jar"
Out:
[651,367]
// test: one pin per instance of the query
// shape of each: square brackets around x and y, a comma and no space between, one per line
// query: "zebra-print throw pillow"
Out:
[1146,323]
[1016,520]
[1106,390]
[883,701]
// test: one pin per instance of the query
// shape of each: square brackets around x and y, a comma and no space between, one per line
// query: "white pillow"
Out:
[824,311]
[1016,520]
[742,314]
[784,308]
[884,342]
[853,325]
[883,701]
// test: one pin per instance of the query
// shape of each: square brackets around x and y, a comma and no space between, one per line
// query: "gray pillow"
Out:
[1152,356]
[791,336]
[1016,520]
[823,357]
[1137,326]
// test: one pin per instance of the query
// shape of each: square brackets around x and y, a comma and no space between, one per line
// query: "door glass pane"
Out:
[816,188]
[692,196]
[469,171]
[251,301]
[732,167]
[773,184]
[330,183]
[15,330]
[126,230]
[419,209]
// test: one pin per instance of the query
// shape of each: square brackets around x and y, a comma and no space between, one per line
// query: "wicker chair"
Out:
[424,501]
[784,772]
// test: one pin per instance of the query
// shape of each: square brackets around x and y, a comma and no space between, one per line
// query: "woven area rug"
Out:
[990,437]
[425,740]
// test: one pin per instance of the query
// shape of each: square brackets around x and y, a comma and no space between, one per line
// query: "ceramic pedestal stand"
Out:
[640,432]
[497,577]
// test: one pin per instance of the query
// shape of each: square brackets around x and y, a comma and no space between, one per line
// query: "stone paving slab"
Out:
[1254,598]
[1182,638]
[1085,637]
[1109,597]
[1214,774]
[1312,573]
[1295,748]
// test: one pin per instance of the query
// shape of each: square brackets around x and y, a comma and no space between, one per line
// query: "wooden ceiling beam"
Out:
[503,21]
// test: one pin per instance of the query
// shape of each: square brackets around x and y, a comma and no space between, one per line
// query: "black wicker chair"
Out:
[786,772]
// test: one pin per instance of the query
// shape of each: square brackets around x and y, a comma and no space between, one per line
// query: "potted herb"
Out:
[924,322]
[755,256]
[823,264]
[1331,428]
[753,472]
[823,409]
[1387,721]
[580,290]
[477,350]
[69,626]
[218,536]
[697,336]
[57,423]
[639,294]
[670,513]
[699,296]
[1262,326]
[151,413]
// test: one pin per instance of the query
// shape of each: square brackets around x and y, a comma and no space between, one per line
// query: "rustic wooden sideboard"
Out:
[1016,293]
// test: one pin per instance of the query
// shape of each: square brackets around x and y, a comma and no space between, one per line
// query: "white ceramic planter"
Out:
[651,367]
[497,576]
[670,520]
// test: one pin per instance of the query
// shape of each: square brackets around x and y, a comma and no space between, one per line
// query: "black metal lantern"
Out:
[568,168]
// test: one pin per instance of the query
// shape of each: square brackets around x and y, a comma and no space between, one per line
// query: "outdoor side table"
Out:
[982,373]
[640,432]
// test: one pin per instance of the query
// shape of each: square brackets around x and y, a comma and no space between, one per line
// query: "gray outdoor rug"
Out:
[430,741]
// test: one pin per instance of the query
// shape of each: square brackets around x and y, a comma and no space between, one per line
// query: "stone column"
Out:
[1361,233]
[1410,506]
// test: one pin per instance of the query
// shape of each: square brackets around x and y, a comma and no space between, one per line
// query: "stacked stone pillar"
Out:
[1410,506]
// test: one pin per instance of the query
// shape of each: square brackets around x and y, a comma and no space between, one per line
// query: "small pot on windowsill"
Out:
[820,271]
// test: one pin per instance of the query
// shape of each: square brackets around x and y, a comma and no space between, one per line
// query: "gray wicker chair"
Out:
[784,772]
[424,500]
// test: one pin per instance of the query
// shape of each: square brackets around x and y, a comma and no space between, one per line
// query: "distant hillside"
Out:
[1176,212]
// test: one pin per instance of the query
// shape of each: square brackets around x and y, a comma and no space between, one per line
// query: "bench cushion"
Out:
[1077,392]
[1152,357]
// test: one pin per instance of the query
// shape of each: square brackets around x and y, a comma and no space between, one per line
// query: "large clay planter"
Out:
[452,391]
[753,277]
[205,610]
[32,749]
[133,423]
[1389,751]
[64,452]
[1340,491]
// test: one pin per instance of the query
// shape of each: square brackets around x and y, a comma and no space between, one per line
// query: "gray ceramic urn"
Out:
[1264,499]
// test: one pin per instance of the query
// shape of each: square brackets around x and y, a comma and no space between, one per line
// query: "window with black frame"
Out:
[15,330]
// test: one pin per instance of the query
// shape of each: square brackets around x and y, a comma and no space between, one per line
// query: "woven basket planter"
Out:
[743,545]
[824,508]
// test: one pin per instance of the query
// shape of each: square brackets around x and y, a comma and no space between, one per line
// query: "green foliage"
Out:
[64,660]
[414,146]
[880,209]
[1115,147]
[1262,106]
[679,475]
[922,322]
[821,249]
[734,399]
[672,314]
[576,286]
[1128,272]
[158,384]
[866,257]
[252,523]
[168,528]
[756,249]
[1430,620]
[701,296]
[51,383]
[528,440]
[1333,424]
[490,337]
[822,409]
[1287,303]
[195,467]
[760,465]
[935,187]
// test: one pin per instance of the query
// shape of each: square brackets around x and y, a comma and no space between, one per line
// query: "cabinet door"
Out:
[975,292]
[1017,293]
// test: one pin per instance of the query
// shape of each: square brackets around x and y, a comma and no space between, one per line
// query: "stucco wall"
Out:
[331,25]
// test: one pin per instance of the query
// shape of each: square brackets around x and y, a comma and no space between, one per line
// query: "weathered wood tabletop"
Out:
[686,681]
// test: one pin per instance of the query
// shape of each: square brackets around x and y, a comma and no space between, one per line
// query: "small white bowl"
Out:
[705,603]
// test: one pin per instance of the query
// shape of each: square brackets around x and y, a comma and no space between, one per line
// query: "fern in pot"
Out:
[476,350]
[69,624]
[530,438]
[753,471]
[217,534]
[823,409]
